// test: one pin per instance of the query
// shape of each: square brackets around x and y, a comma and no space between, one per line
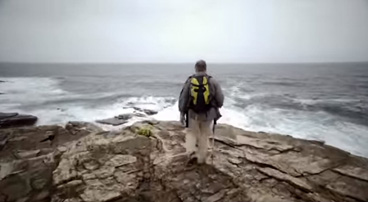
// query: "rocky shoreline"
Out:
[15,119]
[81,162]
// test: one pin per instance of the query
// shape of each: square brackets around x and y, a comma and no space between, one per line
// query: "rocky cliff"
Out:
[146,162]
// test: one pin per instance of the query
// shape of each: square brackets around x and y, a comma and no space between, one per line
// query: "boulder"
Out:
[16,120]
[126,166]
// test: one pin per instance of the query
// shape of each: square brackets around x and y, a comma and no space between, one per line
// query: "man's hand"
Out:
[182,119]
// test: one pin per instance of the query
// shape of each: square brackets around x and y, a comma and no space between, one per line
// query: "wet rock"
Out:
[16,120]
[120,119]
[112,121]
[149,112]
[61,109]
[124,116]
[129,116]
[7,115]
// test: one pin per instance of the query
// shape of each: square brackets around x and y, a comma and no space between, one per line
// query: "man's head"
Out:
[201,66]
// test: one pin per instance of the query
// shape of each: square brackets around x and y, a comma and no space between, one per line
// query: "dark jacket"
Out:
[217,101]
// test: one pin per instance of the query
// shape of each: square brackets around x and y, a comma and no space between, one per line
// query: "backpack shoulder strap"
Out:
[199,78]
[189,79]
[207,78]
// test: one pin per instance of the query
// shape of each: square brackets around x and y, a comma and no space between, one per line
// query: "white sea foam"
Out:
[306,125]
[301,124]
[21,91]
[30,86]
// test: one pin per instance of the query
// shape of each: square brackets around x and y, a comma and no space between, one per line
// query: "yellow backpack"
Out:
[200,94]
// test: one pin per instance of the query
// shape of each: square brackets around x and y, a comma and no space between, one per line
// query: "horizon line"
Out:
[119,63]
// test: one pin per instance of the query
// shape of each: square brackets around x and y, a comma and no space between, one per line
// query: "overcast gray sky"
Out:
[183,31]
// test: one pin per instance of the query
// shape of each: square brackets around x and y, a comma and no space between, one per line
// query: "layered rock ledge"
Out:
[80,162]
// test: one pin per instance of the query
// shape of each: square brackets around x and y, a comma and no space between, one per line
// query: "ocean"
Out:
[326,102]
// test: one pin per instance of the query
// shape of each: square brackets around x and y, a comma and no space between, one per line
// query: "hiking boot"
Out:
[192,159]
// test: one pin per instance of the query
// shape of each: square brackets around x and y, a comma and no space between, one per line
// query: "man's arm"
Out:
[184,97]
[219,96]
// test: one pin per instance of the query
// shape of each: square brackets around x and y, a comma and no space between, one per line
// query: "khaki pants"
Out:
[197,138]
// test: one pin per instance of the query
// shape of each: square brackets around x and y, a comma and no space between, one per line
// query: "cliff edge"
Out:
[146,162]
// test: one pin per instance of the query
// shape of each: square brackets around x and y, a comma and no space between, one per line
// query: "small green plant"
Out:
[144,131]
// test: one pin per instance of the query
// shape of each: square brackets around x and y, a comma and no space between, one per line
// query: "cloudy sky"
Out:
[183,31]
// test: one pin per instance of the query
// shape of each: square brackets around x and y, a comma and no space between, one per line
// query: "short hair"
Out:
[201,66]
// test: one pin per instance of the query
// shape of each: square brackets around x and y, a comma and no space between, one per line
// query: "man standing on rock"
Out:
[200,100]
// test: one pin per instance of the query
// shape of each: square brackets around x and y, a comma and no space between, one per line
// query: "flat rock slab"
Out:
[146,111]
[353,171]
[7,115]
[17,120]
[112,121]
[120,119]
[124,116]
[129,116]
